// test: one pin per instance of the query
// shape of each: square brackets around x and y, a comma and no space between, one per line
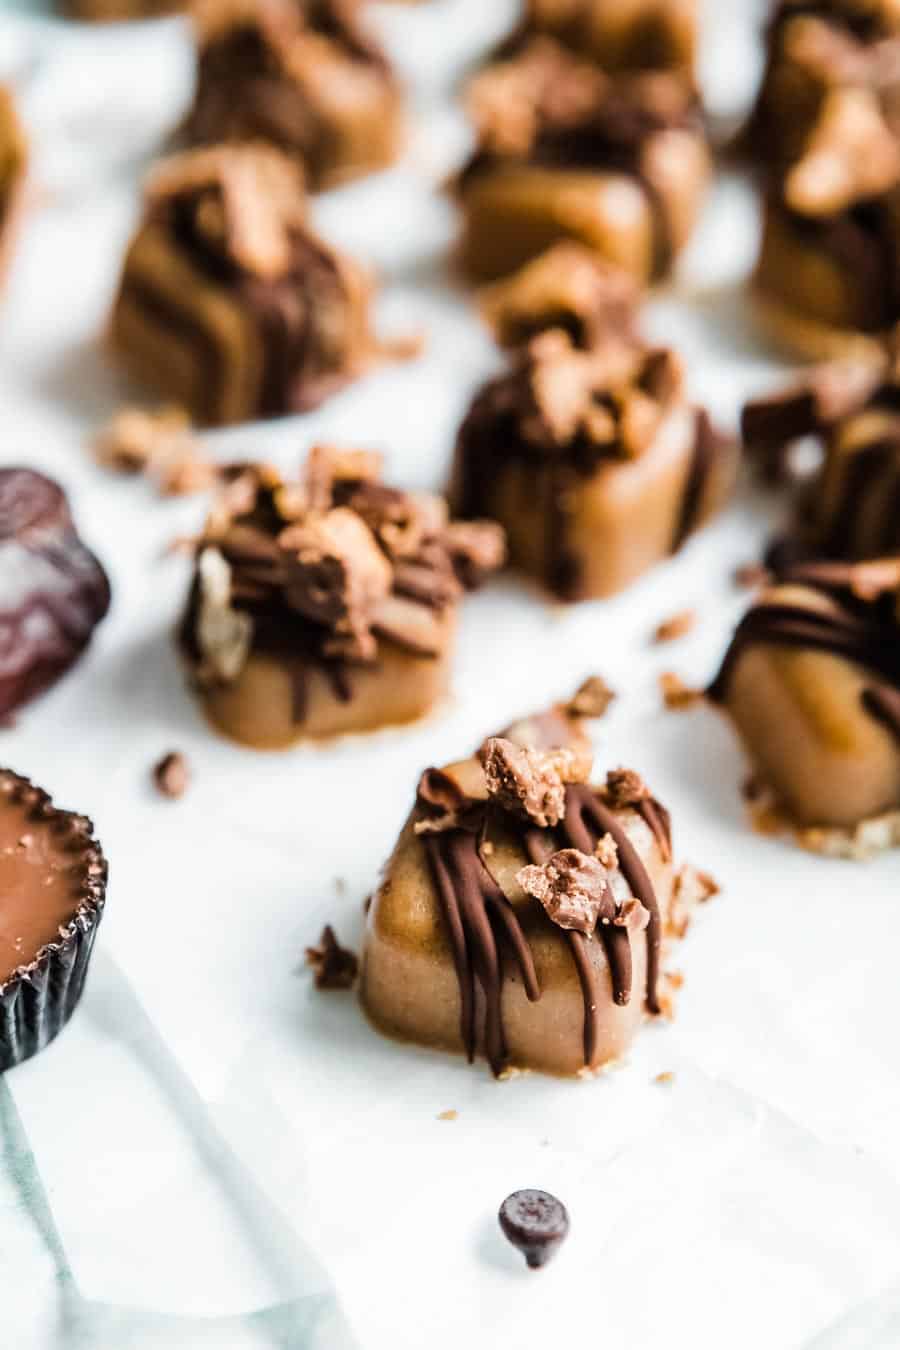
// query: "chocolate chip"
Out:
[172,775]
[591,699]
[536,1223]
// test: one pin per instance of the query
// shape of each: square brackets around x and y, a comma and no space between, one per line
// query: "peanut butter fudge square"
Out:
[524,911]
[229,304]
[564,151]
[13,163]
[594,462]
[811,681]
[826,131]
[850,507]
[618,34]
[304,75]
[327,604]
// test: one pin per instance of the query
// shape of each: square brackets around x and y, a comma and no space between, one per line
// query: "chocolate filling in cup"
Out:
[52,893]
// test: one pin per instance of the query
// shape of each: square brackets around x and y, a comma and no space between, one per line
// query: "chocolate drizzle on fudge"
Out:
[303,75]
[563,413]
[847,610]
[546,107]
[584,870]
[323,569]
[850,507]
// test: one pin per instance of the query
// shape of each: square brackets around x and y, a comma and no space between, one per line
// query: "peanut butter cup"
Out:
[13,164]
[811,681]
[52,893]
[305,76]
[327,604]
[525,910]
[229,304]
[593,461]
[565,151]
[53,591]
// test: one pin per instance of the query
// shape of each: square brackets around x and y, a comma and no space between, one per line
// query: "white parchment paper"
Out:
[215,1155]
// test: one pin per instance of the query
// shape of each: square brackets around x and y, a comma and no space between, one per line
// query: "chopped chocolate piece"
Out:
[573,888]
[536,1224]
[53,882]
[136,439]
[816,653]
[451,1114]
[308,78]
[665,1079]
[624,787]
[458,955]
[676,627]
[532,783]
[594,462]
[229,302]
[335,966]
[591,699]
[565,151]
[13,166]
[324,604]
[569,287]
[605,849]
[172,775]
[53,592]
[676,694]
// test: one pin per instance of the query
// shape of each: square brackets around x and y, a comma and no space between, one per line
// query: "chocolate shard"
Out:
[532,783]
[334,966]
[573,888]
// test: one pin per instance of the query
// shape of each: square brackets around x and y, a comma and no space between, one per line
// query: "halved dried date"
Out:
[53,591]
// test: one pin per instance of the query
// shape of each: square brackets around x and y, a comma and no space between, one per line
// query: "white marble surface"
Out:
[215,1155]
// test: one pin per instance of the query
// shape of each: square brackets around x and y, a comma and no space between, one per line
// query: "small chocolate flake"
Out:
[665,1079]
[335,967]
[591,698]
[536,1223]
[677,695]
[607,852]
[451,1114]
[675,627]
[172,775]
[752,575]
[624,787]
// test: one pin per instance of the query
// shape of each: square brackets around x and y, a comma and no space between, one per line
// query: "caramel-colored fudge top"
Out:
[546,108]
[850,509]
[326,567]
[619,34]
[51,871]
